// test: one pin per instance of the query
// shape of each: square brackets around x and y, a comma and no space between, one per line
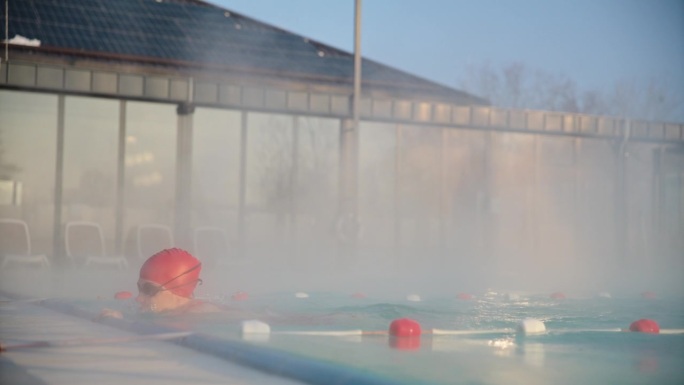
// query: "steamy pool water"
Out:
[573,351]
[581,344]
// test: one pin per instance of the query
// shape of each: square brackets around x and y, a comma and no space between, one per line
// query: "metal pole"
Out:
[120,180]
[59,180]
[349,131]
[6,31]
[242,185]
[184,135]
[357,63]
[351,136]
[348,177]
[294,202]
[620,205]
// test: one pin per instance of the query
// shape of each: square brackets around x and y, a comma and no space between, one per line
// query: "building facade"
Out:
[251,134]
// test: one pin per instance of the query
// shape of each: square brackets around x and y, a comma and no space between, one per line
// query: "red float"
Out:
[240,296]
[645,326]
[358,295]
[557,295]
[404,327]
[123,295]
[464,296]
[648,295]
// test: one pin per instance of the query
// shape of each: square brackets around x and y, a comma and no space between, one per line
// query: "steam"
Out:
[442,210]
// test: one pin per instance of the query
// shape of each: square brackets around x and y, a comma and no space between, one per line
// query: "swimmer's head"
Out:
[174,270]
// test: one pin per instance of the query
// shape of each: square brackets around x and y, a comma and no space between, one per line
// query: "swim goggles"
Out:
[151,289]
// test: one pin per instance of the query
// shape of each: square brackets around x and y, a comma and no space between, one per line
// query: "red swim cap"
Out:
[176,269]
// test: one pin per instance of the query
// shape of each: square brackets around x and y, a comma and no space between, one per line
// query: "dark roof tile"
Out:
[192,31]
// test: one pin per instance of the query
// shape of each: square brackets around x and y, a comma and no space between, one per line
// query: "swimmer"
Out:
[167,284]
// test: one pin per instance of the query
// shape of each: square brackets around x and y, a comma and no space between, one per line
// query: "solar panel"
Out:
[182,30]
[20,10]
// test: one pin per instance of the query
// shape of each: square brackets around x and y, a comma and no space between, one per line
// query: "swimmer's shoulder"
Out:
[200,306]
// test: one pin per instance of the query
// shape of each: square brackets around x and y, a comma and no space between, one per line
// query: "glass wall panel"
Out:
[316,190]
[28,141]
[90,163]
[269,185]
[672,194]
[216,168]
[508,205]
[671,227]
[150,166]
[596,202]
[466,191]
[377,187]
[639,178]
[419,190]
[557,243]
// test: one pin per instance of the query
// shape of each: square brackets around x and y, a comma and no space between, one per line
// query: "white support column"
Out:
[183,211]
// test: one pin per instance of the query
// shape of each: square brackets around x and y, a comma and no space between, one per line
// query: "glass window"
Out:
[270,179]
[216,168]
[466,189]
[595,199]
[90,162]
[150,164]
[508,205]
[377,192]
[28,137]
[317,165]
[316,190]
[419,185]
[672,196]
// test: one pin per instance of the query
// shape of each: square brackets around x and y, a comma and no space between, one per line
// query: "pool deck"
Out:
[129,361]
[44,305]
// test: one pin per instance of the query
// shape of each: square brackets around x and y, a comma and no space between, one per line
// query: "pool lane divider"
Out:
[261,358]
[405,327]
[256,327]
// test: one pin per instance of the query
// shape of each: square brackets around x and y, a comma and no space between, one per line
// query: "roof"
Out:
[193,33]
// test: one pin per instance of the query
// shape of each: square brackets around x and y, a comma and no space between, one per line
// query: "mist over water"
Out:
[442,210]
[500,211]
[508,206]
[379,275]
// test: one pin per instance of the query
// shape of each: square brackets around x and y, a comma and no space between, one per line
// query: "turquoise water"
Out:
[571,352]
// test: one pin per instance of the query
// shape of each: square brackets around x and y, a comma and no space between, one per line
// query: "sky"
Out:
[596,43]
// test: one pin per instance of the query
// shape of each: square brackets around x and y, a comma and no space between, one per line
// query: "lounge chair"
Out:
[15,244]
[84,243]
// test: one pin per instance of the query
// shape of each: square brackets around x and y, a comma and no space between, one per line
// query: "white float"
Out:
[531,326]
[255,327]
[413,298]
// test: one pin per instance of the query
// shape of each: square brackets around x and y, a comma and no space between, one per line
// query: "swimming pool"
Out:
[580,346]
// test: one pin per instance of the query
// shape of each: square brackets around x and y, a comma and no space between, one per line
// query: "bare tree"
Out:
[516,85]
[653,100]
[276,168]
[279,184]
